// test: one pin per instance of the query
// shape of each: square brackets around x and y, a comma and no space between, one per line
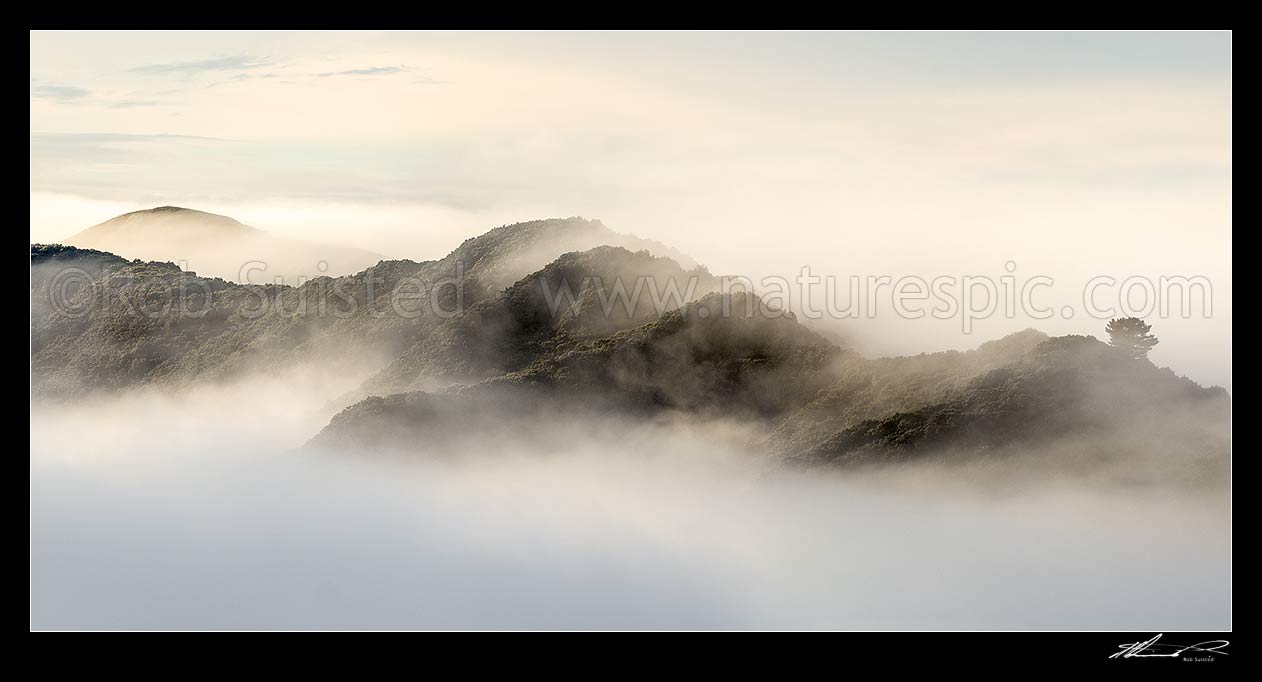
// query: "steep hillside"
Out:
[139,323]
[725,355]
[869,388]
[581,295]
[1064,406]
[1073,395]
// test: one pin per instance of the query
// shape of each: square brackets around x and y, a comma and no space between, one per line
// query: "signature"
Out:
[1153,649]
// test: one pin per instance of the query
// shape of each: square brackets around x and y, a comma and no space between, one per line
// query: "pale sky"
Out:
[1071,155]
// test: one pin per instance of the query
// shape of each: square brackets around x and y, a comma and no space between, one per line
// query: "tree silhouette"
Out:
[1131,335]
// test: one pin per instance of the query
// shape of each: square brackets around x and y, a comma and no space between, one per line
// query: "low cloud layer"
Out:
[193,512]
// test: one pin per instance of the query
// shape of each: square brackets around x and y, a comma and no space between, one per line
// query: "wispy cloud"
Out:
[69,94]
[134,103]
[233,63]
[367,71]
[58,93]
[52,149]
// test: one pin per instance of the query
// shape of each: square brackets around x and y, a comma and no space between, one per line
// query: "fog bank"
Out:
[195,513]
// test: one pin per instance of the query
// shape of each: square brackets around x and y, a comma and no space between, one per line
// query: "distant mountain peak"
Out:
[180,210]
[171,209]
[168,218]
[506,253]
[218,246]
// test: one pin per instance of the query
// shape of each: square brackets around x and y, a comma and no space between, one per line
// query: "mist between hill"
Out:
[72,291]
